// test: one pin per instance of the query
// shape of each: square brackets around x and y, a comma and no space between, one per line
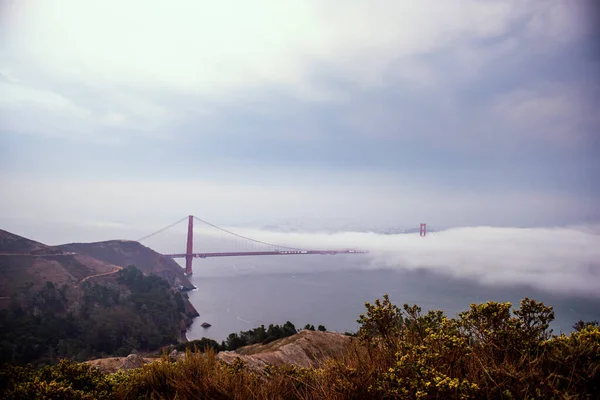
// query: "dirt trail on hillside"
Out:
[115,270]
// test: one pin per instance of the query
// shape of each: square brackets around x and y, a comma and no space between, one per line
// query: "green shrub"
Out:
[65,380]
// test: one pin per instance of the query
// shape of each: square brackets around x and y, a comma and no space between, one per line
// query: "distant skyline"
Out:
[387,113]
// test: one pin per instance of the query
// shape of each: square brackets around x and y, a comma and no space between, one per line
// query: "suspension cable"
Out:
[247,238]
[163,229]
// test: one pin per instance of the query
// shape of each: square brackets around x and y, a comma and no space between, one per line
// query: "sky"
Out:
[357,114]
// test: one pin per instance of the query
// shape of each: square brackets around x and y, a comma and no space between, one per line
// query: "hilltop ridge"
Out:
[13,243]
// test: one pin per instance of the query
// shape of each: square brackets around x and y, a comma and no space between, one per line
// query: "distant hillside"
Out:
[60,301]
[123,252]
[27,265]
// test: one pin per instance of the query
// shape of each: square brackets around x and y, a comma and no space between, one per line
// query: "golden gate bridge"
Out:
[257,247]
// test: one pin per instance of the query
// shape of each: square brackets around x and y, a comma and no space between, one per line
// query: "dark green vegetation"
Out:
[488,352]
[261,335]
[136,312]
[258,335]
[309,327]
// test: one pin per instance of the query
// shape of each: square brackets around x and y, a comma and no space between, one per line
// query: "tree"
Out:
[289,329]
[234,341]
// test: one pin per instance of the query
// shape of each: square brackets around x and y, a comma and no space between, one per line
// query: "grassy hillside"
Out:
[26,266]
[123,252]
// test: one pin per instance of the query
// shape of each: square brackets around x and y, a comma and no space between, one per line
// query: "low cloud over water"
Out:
[565,260]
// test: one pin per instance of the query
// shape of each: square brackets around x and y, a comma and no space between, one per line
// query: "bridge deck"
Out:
[267,253]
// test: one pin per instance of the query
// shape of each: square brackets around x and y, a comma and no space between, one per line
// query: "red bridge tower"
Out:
[189,252]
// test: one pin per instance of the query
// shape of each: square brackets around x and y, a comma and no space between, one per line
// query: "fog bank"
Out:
[565,260]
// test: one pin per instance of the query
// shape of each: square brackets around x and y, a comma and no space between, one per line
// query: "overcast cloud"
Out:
[119,117]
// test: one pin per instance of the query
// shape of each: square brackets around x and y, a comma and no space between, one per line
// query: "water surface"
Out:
[241,294]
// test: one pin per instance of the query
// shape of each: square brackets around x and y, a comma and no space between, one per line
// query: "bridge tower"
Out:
[423,230]
[189,252]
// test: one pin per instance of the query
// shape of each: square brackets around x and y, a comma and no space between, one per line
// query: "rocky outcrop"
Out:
[305,349]
[133,361]
[175,356]
[113,364]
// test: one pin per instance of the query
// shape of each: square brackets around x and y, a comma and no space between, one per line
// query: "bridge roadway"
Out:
[38,254]
[266,253]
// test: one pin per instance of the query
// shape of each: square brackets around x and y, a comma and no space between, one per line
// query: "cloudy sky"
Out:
[392,113]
